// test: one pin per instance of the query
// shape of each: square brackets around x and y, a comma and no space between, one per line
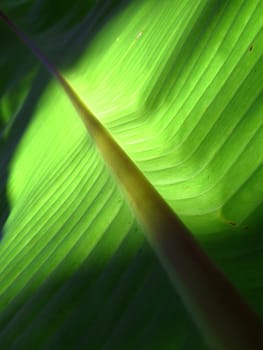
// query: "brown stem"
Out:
[223,317]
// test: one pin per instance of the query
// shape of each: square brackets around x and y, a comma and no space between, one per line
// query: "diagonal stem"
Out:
[223,317]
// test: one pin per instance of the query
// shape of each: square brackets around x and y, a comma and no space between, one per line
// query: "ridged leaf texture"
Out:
[179,86]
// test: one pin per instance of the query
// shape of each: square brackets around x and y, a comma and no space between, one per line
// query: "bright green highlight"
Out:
[171,110]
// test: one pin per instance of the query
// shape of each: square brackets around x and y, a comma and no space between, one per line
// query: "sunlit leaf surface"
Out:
[179,85]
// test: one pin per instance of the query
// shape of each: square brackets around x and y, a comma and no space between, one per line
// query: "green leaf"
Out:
[174,88]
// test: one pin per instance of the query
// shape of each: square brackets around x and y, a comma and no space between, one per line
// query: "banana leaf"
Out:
[179,86]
